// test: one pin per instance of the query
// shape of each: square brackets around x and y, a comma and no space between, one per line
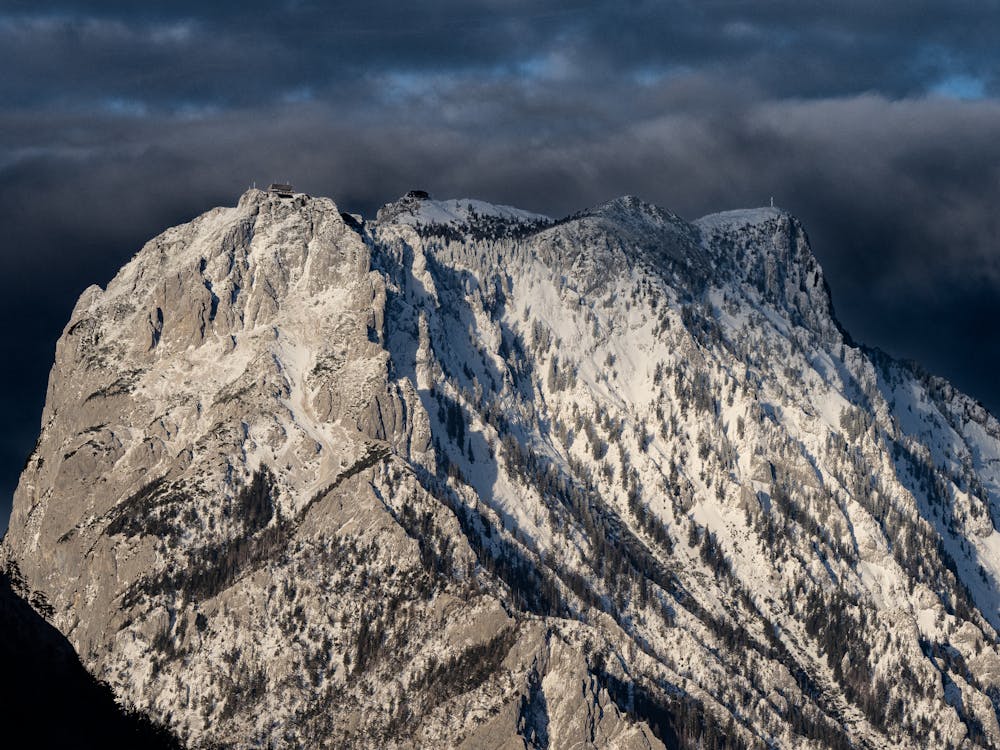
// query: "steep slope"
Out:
[468,475]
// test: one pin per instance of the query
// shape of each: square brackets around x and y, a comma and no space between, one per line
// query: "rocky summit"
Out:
[464,476]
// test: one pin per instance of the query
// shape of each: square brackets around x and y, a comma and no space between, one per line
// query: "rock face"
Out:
[465,476]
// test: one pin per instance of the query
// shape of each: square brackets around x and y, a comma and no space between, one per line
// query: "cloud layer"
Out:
[875,125]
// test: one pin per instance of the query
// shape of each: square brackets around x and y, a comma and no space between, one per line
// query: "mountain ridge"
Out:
[468,474]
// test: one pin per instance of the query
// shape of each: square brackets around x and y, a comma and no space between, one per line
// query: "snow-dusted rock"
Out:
[465,476]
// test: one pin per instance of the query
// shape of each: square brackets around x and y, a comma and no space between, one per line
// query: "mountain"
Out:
[466,476]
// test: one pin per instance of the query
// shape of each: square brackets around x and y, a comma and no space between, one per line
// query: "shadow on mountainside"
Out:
[49,699]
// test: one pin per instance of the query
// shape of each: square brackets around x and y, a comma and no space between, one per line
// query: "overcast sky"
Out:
[878,124]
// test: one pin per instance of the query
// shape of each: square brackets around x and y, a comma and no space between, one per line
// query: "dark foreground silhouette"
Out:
[48,698]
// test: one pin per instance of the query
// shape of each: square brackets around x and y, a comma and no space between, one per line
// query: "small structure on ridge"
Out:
[281,189]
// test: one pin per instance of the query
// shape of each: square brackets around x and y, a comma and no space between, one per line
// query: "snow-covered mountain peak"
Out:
[417,208]
[468,477]
[735,235]
[740,217]
[767,250]
[608,240]
[629,208]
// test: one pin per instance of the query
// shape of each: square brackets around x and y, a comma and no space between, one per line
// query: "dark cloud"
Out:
[181,55]
[126,118]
